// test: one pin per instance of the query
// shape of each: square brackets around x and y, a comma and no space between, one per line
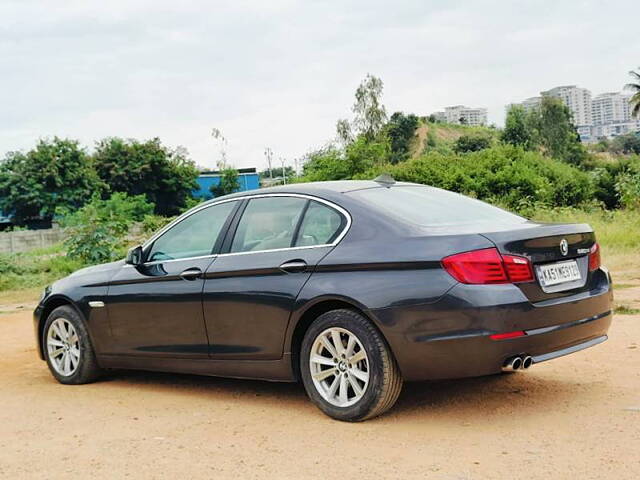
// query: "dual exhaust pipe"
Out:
[517,363]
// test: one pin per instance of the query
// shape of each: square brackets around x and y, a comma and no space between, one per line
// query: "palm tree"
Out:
[635,99]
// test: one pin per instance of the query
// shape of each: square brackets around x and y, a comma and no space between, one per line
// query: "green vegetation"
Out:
[35,269]
[618,231]
[535,166]
[634,87]
[626,310]
[59,174]
[472,143]
[97,231]
[56,173]
[401,132]
[537,161]
[165,177]
[229,183]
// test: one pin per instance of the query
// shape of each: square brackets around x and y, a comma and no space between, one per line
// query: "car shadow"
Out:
[475,397]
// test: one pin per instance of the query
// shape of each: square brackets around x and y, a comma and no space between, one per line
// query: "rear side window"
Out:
[268,223]
[321,225]
[431,207]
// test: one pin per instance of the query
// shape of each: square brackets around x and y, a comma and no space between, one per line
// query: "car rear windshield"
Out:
[433,207]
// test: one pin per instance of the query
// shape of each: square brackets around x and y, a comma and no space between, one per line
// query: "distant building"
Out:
[439,117]
[577,99]
[611,114]
[531,103]
[248,178]
[461,115]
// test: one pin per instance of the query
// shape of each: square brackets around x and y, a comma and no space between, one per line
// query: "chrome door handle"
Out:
[294,266]
[191,274]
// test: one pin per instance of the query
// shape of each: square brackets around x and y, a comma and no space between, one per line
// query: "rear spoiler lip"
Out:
[538,230]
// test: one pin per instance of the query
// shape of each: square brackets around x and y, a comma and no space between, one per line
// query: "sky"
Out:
[280,73]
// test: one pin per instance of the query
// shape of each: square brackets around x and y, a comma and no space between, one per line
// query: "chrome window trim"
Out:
[166,228]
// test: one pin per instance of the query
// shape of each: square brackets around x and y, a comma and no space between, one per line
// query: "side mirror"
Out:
[134,256]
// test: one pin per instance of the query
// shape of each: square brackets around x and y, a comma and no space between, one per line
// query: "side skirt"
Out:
[270,370]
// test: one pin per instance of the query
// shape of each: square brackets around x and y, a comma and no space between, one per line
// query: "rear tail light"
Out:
[505,336]
[518,268]
[594,257]
[487,266]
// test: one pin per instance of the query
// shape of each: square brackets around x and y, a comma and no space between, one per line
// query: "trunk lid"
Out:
[547,244]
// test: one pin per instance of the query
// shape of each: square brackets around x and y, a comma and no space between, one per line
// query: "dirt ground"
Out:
[574,417]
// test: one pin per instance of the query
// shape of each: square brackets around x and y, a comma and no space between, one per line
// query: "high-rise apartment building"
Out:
[577,99]
[611,113]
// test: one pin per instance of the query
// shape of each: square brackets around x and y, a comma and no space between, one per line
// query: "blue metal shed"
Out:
[248,179]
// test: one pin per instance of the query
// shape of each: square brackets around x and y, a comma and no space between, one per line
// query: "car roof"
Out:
[330,188]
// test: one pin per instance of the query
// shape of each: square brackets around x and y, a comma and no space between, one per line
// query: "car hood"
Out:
[88,276]
[99,269]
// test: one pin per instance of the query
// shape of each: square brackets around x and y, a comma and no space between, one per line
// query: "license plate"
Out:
[556,273]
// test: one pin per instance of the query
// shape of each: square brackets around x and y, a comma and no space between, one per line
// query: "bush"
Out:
[629,143]
[503,174]
[97,231]
[471,143]
[331,163]
[615,181]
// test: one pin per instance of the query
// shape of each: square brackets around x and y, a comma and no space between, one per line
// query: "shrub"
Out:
[503,174]
[97,231]
[615,181]
[471,143]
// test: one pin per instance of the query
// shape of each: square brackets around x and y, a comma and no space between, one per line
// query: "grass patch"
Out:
[35,269]
[618,231]
[626,310]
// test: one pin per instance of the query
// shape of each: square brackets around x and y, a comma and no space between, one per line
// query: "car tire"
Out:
[368,384]
[67,347]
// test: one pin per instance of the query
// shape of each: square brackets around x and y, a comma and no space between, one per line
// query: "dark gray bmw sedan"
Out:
[351,287]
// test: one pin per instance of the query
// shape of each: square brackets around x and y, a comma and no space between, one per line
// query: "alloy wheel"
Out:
[63,347]
[339,367]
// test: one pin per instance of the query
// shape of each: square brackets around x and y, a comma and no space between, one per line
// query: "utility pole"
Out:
[284,174]
[269,153]
[295,163]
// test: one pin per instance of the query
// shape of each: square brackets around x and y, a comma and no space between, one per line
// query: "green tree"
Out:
[331,163]
[56,173]
[629,143]
[370,114]
[635,99]
[401,131]
[555,132]
[517,129]
[228,183]
[166,177]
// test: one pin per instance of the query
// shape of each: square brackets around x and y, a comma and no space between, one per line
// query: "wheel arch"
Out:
[312,311]
[49,306]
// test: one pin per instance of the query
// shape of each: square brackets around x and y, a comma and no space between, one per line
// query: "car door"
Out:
[155,309]
[269,254]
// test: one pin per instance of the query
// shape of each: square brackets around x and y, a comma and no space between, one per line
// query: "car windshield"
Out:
[433,207]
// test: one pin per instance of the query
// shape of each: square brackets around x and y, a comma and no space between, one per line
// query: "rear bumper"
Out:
[566,351]
[451,338]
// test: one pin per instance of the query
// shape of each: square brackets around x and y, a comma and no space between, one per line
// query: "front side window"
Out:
[320,226]
[194,236]
[268,223]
